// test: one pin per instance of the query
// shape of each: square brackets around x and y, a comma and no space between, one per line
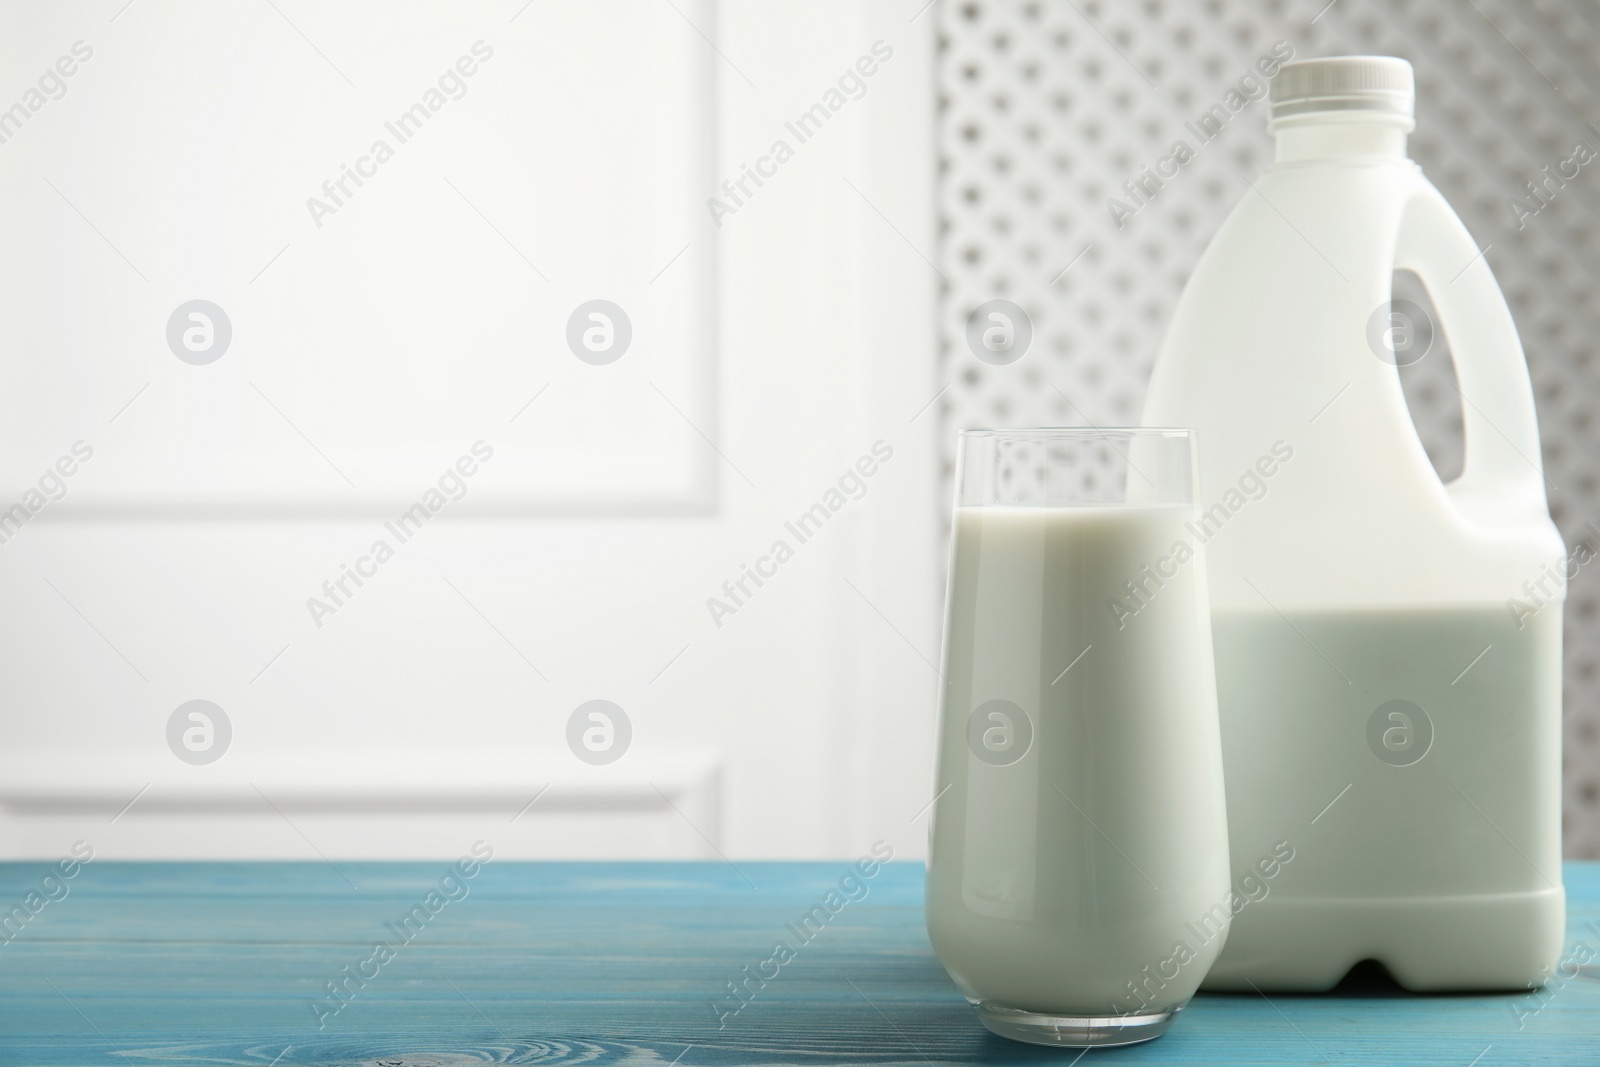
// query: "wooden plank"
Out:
[177,964]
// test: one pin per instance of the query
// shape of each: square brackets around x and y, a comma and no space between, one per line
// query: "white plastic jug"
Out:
[1388,646]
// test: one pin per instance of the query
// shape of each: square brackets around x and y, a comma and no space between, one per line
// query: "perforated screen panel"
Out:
[1046,109]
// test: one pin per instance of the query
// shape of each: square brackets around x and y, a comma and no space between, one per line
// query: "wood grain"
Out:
[158,964]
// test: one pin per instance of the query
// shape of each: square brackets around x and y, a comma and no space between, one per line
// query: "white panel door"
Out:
[353,583]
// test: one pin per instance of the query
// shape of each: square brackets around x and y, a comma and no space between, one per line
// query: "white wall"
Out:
[433,706]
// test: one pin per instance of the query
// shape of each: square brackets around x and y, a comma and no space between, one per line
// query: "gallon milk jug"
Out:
[1388,646]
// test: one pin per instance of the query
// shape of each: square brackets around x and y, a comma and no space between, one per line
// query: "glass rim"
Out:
[1078,431]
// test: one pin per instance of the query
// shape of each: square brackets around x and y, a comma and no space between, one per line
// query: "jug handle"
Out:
[1503,471]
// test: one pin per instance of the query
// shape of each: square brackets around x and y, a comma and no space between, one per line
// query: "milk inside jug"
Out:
[1388,646]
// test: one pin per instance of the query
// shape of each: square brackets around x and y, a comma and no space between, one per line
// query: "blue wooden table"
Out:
[307,963]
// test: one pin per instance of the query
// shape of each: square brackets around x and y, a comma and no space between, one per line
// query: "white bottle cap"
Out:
[1374,84]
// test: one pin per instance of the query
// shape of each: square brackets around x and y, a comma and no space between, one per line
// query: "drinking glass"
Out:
[1078,857]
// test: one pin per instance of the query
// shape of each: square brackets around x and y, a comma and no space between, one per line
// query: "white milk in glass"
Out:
[1078,854]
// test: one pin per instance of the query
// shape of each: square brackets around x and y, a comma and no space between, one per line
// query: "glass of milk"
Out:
[1078,863]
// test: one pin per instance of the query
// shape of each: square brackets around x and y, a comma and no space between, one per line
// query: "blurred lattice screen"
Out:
[1046,108]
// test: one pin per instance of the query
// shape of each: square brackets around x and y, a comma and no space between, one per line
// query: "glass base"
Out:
[1075,1031]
